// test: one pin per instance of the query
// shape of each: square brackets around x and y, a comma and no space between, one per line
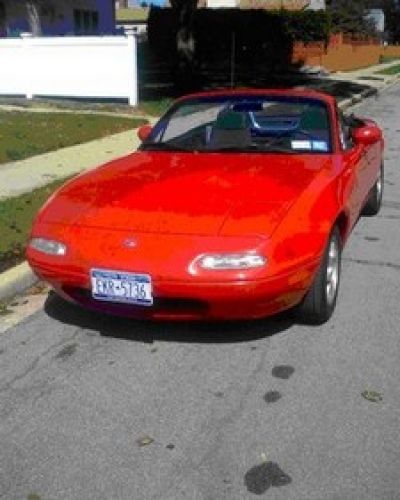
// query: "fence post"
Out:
[233,58]
[132,67]
[26,45]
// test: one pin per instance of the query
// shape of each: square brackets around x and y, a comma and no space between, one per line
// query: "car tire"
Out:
[374,201]
[320,301]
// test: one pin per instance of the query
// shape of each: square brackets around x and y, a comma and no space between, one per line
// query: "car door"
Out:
[355,171]
[374,159]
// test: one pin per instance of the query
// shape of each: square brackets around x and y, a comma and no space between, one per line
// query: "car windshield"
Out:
[240,123]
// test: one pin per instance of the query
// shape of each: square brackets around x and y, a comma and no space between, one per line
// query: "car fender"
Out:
[303,233]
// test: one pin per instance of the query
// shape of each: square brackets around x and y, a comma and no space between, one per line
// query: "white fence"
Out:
[94,67]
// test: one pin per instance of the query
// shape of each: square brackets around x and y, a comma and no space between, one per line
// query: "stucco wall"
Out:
[342,54]
[391,51]
[340,57]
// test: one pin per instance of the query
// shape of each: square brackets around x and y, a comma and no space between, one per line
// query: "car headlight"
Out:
[50,247]
[232,261]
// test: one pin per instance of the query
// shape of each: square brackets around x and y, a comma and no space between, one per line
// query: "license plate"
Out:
[119,286]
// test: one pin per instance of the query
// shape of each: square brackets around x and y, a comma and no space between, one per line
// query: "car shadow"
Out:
[150,331]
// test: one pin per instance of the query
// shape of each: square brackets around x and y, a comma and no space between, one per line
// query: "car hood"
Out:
[182,193]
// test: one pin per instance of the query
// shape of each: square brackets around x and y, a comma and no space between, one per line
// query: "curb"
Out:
[16,280]
[357,98]
[21,109]
[19,278]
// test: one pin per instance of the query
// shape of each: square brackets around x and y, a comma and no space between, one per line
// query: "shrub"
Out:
[258,33]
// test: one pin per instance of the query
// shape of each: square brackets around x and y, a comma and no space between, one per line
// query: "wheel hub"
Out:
[332,272]
[379,185]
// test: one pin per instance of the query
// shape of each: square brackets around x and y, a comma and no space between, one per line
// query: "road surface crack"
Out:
[34,364]
[391,204]
[365,262]
[216,428]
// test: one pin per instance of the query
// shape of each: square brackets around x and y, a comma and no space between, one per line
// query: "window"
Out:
[95,21]
[346,140]
[2,19]
[245,123]
[86,22]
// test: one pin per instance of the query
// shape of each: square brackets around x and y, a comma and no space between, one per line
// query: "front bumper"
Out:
[186,299]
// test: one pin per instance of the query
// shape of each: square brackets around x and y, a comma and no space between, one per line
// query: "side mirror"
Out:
[366,135]
[144,132]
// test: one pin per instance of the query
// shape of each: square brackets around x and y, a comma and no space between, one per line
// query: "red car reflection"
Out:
[236,205]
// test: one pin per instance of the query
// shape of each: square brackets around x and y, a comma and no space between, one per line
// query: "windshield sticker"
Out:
[301,144]
[319,146]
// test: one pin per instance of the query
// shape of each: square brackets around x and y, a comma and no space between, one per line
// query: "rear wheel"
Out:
[374,201]
[320,301]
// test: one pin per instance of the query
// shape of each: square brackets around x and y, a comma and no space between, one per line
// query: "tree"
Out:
[185,43]
[33,13]
[34,9]
[351,16]
[392,18]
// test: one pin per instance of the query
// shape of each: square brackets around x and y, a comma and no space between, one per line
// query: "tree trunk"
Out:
[35,25]
[185,75]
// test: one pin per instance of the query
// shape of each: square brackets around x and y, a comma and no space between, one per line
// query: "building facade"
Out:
[265,4]
[59,17]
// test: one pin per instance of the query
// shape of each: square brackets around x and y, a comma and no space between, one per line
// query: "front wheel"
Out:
[320,301]
[374,201]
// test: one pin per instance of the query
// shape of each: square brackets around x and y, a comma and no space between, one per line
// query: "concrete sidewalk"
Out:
[350,87]
[26,175]
[369,75]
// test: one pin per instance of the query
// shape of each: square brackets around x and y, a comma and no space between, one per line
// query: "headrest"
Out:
[230,120]
[314,119]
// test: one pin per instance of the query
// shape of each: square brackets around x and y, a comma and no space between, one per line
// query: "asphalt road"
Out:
[102,408]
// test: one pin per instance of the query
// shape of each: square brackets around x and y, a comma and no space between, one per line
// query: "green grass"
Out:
[388,59]
[16,216]
[33,496]
[155,107]
[393,70]
[24,134]
[4,310]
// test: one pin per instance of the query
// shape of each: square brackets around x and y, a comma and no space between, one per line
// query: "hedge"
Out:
[258,33]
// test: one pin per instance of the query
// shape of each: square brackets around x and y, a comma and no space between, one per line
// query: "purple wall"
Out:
[67,17]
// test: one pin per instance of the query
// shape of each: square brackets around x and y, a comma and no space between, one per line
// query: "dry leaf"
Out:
[372,396]
[145,441]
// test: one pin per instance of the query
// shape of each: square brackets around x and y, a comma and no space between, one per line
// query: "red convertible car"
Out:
[236,205]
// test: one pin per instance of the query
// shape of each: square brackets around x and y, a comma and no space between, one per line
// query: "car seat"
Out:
[315,121]
[230,130]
